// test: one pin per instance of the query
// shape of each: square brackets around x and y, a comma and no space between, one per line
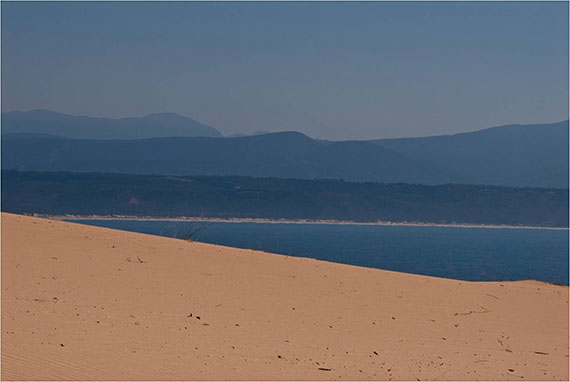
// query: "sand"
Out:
[88,303]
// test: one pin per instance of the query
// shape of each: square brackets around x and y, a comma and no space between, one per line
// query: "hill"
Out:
[284,155]
[511,155]
[518,156]
[82,127]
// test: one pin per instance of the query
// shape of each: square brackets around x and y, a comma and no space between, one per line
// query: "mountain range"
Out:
[150,126]
[513,155]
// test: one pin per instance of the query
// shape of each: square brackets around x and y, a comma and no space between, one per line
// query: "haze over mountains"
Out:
[514,155]
[82,127]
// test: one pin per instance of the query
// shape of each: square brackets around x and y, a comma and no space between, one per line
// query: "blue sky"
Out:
[330,70]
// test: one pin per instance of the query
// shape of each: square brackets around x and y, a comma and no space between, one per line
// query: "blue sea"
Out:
[476,254]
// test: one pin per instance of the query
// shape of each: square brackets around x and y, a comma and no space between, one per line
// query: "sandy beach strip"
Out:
[292,221]
[90,303]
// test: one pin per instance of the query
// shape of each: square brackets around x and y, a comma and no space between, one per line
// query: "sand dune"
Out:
[82,302]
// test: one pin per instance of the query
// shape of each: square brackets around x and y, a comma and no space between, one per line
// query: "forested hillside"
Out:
[273,198]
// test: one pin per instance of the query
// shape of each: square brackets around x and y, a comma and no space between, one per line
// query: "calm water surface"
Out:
[478,254]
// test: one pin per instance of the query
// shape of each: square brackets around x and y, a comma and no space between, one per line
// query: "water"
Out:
[477,254]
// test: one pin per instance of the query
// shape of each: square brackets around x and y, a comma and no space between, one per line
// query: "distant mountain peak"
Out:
[155,125]
[165,115]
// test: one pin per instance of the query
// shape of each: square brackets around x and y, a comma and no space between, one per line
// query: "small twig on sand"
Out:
[483,310]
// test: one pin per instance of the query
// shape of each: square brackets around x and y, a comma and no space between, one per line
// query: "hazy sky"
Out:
[330,70]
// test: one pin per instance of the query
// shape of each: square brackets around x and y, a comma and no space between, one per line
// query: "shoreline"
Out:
[73,293]
[290,221]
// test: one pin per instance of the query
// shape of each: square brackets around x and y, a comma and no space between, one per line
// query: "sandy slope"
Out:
[83,302]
